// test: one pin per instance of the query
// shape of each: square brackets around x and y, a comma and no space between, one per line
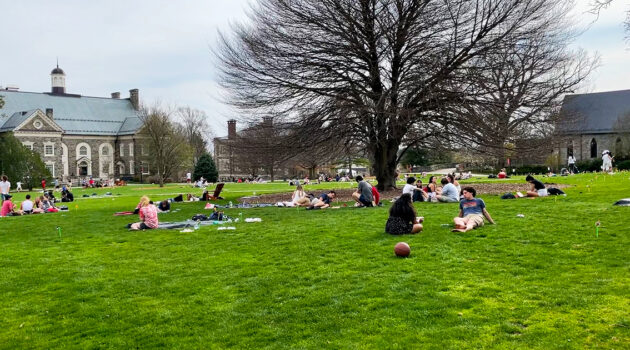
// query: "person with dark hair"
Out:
[27,205]
[5,187]
[451,178]
[67,196]
[471,212]
[323,201]
[363,194]
[7,206]
[418,193]
[164,206]
[409,187]
[449,192]
[402,217]
[432,188]
[538,188]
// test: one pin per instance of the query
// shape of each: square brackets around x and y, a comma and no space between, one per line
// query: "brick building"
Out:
[77,136]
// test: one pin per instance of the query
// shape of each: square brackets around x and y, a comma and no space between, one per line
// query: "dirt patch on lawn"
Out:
[345,195]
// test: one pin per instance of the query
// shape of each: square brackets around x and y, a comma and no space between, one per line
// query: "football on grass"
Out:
[402,249]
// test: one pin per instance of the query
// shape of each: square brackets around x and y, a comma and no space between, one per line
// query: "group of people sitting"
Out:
[448,191]
[42,204]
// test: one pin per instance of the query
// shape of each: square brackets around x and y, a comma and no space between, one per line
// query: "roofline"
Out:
[599,92]
[63,95]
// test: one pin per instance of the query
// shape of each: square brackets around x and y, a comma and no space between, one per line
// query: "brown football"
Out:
[402,249]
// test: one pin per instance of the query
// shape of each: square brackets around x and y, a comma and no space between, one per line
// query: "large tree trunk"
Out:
[384,164]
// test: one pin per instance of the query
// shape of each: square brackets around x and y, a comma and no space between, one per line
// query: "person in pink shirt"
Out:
[148,214]
[7,206]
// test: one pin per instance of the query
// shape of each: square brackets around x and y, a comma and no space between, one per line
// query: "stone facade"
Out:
[590,146]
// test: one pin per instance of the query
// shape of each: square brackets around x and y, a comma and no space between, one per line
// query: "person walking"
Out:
[571,163]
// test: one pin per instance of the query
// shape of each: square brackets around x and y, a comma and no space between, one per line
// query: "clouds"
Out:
[163,47]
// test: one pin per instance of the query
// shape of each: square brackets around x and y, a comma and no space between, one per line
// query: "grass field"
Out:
[321,279]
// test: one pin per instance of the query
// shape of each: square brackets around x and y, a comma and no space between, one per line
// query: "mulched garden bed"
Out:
[345,195]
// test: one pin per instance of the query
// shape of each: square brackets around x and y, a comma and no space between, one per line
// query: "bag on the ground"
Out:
[555,191]
[199,217]
[508,195]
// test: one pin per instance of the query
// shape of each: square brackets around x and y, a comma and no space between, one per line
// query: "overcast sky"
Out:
[163,48]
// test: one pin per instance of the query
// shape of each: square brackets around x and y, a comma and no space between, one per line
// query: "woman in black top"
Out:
[402,217]
[538,188]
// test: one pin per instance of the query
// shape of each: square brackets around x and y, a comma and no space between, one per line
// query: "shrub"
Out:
[589,165]
[624,165]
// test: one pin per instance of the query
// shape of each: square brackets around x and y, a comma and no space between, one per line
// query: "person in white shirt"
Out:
[188,177]
[571,163]
[409,187]
[27,205]
[5,186]
[18,186]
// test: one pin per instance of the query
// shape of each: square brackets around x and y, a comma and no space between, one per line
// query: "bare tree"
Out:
[196,129]
[369,68]
[598,5]
[165,139]
[513,105]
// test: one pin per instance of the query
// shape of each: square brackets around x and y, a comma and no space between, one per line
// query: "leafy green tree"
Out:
[205,167]
[20,163]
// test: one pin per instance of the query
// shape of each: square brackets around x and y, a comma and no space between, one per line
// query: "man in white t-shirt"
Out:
[409,187]
[27,206]
[18,186]
[5,186]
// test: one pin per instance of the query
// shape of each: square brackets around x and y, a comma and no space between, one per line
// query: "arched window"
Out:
[593,148]
[619,147]
[104,151]
[570,149]
[83,151]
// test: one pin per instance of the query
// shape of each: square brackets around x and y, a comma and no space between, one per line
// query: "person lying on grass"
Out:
[148,215]
[538,188]
[402,217]
[323,201]
[471,212]
[363,194]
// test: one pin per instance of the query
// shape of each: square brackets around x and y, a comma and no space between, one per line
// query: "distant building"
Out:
[77,136]
[592,123]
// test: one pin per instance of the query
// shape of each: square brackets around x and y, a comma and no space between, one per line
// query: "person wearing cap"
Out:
[7,206]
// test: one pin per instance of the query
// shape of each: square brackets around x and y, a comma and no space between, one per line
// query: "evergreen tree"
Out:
[205,167]
[20,163]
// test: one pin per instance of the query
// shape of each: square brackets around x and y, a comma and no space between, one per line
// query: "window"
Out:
[105,151]
[122,150]
[570,149]
[131,149]
[593,148]
[143,150]
[51,168]
[132,169]
[49,150]
[83,151]
[28,145]
[145,168]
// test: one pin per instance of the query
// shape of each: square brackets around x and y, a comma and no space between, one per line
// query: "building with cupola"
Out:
[77,136]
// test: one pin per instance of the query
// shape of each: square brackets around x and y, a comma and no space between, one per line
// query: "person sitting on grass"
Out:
[296,199]
[409,187]
[323,201]
[502,174]
[402,217]
[449,192]
[418,193]
[27,205]
[7,206]
[471,212]
[66,196]
[148,216]
[451,178]
[431,188]
[538,188]
[363,194]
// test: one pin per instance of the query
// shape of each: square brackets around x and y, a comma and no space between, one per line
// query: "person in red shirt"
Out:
[44,184]
[7,206]
[502,174]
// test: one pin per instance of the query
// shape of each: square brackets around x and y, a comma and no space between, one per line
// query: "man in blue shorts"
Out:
[471,212]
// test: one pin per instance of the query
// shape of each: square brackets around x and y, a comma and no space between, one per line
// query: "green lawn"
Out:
[321,279]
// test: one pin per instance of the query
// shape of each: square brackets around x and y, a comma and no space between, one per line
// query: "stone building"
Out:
[77,136]
[592,123]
